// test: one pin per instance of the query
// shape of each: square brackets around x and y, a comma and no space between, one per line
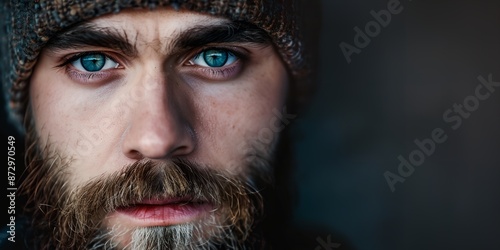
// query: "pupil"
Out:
[93,62]
[215,58]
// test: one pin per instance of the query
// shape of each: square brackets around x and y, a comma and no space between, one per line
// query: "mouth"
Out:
[164,212]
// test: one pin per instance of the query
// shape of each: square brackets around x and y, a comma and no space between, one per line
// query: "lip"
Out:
[163,212]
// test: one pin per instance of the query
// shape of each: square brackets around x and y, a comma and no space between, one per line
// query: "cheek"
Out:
[242,114]
[69,121]
[48,106]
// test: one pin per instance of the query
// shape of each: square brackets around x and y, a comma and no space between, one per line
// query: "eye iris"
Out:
[93,62]
[215,58]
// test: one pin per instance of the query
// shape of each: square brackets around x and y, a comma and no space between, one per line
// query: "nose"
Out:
[158,126]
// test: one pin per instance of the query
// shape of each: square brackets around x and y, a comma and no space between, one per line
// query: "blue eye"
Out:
[94,62]
[214,58]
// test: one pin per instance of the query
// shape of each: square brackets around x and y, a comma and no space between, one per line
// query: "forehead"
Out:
[165,30]
[161,21]
[154,26]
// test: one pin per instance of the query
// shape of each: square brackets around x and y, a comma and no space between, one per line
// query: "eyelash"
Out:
[88,77]
[208,73]
[215,73]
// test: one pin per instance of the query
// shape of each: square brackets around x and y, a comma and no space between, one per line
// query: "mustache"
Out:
[146,180]
[88,205]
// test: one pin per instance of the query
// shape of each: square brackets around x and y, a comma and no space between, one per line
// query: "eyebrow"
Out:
[90,35]
[229,32]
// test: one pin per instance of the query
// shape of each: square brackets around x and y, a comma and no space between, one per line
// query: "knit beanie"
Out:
[29,24]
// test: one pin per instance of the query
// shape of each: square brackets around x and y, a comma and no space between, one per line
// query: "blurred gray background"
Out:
[368,112]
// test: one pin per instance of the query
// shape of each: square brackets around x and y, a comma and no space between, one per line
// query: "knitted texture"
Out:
[31,23]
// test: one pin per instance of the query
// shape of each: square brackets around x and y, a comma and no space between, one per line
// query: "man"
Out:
[154,124]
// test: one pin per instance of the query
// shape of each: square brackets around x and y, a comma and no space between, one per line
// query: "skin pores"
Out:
[157,95]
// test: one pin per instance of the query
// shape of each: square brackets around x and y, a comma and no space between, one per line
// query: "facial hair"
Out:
[65,217]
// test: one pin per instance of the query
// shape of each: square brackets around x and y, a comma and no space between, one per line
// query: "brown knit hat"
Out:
[31,23]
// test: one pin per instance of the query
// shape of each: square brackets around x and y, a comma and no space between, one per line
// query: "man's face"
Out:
[151,117]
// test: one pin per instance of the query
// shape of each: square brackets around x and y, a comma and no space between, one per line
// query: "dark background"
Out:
[368,112]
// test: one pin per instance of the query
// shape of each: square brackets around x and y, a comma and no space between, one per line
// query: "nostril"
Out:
[134,154]
[182,150]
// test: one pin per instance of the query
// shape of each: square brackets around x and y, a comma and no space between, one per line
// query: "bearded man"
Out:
[155,124]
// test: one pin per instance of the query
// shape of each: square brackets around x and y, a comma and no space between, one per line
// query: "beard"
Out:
[66,217]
